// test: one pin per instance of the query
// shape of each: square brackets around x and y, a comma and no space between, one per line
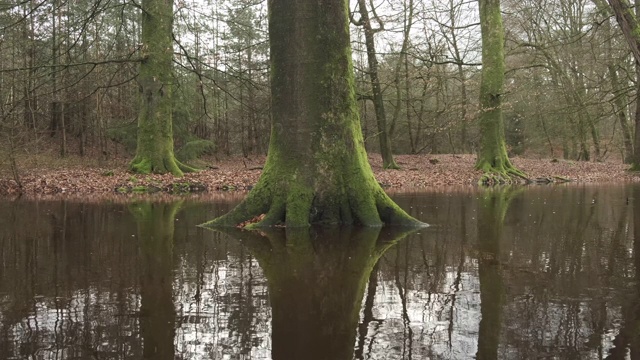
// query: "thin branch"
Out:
[67,66]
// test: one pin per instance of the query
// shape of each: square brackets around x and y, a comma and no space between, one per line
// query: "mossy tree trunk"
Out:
[154,151]
[376,89]
[493,158]
[317,169]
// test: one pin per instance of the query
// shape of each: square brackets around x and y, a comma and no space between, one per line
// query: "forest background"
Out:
[68,74]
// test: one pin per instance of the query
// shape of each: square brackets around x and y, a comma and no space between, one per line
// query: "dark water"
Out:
[539,273]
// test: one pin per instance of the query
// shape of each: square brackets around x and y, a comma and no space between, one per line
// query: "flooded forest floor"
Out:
[80,177]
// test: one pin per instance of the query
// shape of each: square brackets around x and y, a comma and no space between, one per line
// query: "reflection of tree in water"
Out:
[220,293]
[242,318]
[492,208]
[71,275]
[157,311]
[316,283]
[52,252]
[425,288]
[564,265]
[567,268]
[567,264]
[627,343]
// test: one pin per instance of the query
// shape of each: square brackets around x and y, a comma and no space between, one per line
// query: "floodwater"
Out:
[534,273]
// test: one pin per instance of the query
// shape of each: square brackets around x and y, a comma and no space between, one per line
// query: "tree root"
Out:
[263,209]
[186,168]
[512,176]
[500,172]
[144,165]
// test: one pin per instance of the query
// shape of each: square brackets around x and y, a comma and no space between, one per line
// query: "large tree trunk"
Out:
[635,160]
[628,21]
[317,169]
[155,123]
[493,158]
[619,96]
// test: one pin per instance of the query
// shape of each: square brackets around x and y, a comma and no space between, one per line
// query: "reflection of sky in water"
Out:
[565,294]
[205,331]
[430,317]
[53,324]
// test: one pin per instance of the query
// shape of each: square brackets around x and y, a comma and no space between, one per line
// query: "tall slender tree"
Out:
[317,169]
[493,158]
[376,88]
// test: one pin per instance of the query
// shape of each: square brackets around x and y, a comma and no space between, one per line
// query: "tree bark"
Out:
[378,101]
[619,96]
[628,21]
[621,113]
[635,160]
[155,123]
[629,25]
[317,169]
[493,158]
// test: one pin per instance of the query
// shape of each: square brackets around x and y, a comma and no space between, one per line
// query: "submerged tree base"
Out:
[317,170]
[284,197]
[501,173]
[168,164]
[267,208]
[316,279]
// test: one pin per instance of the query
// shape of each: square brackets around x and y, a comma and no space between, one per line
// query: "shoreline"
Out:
[237,175]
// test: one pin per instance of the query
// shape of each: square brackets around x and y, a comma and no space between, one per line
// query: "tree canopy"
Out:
[71,75]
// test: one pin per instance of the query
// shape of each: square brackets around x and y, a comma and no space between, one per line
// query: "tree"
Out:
[619,99]
[493,158]
[628,22]
[317,169]
[154,151]
[378,100]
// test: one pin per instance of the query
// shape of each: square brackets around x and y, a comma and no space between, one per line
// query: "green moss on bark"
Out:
[154,151]
[493,159]
[317,169]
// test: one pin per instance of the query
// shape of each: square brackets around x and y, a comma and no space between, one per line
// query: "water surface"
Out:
[535,273]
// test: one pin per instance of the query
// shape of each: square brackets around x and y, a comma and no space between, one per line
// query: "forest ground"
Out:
[47,176]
